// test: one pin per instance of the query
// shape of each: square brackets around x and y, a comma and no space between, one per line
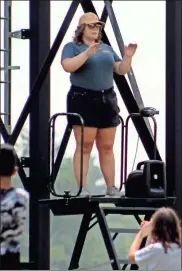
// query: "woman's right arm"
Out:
[72,64]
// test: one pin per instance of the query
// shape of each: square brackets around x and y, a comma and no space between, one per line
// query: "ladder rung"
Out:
[11,68]
[125,262]
[4,114]
[4,18]
[123,230]
[4,82]
[4,50]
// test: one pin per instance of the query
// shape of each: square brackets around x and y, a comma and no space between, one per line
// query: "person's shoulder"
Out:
[155,246]
[20,192]
[151,249]
[70,44]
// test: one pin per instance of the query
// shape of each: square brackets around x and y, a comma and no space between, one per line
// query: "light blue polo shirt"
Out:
[97,72]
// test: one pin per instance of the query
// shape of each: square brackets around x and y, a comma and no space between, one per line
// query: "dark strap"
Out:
[89,92]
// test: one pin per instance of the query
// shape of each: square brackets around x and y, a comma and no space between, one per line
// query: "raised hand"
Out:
[144,222]
[92,49]
[130,50]
[146,227]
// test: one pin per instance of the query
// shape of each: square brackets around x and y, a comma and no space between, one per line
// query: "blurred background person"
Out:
[13,206]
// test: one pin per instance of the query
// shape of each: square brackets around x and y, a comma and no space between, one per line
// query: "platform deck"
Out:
[80,205]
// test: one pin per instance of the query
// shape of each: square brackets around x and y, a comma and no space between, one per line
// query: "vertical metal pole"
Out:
[178,111]
[7,64]
[39,234]
[173,100]
[0,65]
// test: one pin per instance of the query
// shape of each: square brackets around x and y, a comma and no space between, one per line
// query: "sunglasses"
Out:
[92,26]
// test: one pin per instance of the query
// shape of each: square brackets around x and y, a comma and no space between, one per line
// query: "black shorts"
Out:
[98,108]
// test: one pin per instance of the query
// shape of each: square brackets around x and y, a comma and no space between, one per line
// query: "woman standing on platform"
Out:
[91,64]
[164,249]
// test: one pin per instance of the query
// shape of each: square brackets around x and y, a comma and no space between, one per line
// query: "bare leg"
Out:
[89,138]
[105,142]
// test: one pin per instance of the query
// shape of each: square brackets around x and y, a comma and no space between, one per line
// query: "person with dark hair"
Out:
[13,206]
[163,251]
[91,64]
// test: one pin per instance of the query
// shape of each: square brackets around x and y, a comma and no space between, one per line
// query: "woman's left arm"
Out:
[122,67]
[144,232]
[135,246]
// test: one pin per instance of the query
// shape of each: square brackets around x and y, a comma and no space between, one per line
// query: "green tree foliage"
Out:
[64,229]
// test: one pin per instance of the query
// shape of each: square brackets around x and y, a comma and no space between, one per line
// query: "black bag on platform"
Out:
[147,181]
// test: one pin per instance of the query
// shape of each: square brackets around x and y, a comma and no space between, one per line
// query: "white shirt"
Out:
[153,257]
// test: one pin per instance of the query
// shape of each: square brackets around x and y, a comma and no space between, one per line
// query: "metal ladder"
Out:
[6,68]
[109,234]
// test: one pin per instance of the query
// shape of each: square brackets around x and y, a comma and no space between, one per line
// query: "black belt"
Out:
[90,92]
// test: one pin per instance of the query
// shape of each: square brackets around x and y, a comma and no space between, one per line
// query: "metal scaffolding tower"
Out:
[41,58]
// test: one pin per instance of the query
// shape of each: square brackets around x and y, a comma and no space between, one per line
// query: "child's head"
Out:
[8,161]
[166,227]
